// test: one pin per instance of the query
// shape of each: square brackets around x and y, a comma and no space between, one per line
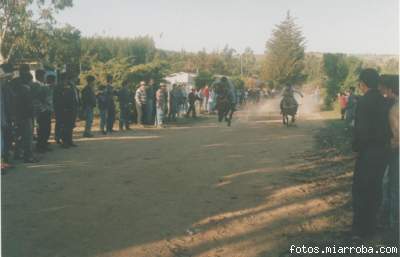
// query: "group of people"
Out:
[29,104]
[376,142]
[27,109]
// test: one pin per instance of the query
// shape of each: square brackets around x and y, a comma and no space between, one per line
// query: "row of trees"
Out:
[27,35]
[34,35]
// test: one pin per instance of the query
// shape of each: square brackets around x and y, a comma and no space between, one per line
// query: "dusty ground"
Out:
[195,189]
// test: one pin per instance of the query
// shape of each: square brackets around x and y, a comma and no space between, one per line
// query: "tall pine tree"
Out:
[284,62]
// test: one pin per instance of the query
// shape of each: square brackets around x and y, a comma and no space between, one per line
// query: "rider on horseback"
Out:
[289,103]
[226,99]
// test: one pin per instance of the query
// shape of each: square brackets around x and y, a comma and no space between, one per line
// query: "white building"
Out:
[182,78]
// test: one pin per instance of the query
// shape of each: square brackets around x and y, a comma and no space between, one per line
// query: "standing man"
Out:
[68,103]
[88,104]
[44,110]
[371,142]
[102,103]
[343,104]
[150,98]
[161,105]
[173,103]
[206,95]
[25,114]
[140,99]
[351,107]
[192,97]
[124,98]
[7,103]
[110,93]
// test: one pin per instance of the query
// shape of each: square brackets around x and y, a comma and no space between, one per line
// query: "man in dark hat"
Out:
[371,142]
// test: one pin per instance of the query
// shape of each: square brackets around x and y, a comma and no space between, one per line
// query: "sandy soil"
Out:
[194,189]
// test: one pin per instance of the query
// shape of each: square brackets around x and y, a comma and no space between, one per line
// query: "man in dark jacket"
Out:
[7,111]
[124,98]
[88,103]
[371,142]
[43,111]
[192,97]
[24,114]
[67,107]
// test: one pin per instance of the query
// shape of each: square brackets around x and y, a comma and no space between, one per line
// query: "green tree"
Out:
[354,66]
[156,70]
[313,67]
[336,70]
[203,78]
[284,62]
[65,49]
[248,62]
[23,32]
[138,50]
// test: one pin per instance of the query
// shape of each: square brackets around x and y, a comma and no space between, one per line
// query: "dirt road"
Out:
[197,189]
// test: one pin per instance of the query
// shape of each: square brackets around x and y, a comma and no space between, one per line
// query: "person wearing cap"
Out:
[371,142]
[140,102]
[161,105]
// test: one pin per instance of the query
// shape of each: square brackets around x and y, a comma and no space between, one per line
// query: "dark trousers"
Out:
[192,109]
[110,118]
[67,126]
[124,117]
[6,141]
[24,137]
[367,189]
[58,127]
[343,112]
[140,111]
[44,122]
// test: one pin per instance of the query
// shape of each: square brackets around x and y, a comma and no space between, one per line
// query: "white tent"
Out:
[182,78]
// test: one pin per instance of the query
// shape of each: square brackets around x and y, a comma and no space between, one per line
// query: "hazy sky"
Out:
[350,26]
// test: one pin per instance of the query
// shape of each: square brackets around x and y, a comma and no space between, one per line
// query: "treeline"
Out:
[27,37]
[123,56]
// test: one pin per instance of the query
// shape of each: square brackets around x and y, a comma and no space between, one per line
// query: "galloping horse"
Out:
[289,105]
